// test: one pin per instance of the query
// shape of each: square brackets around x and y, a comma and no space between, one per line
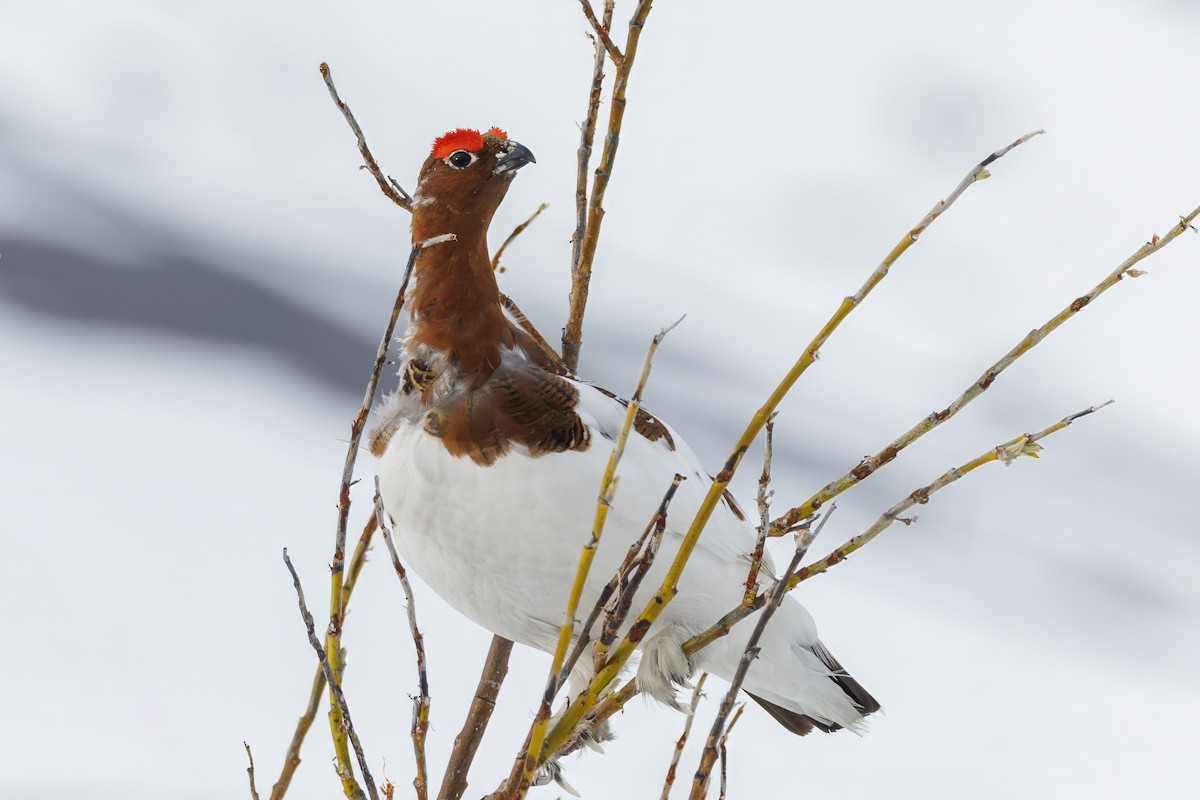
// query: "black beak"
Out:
[514,159]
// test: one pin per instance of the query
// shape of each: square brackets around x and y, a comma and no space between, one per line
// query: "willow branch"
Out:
[619,612]
[1021,445]
[870,464]
[587,134]
[1024,445]
[292,759]
[333,644]
[601,30]
[669,781]
[709,756]
[764,514]
[623,580]
[549,355]
[722,756]
[335,689]
[420,717]
[1007,452]
[581,272]
[250,771]
[608,487]
[670,582]
[387,185]
[495,668]
[774,597]
[517,231]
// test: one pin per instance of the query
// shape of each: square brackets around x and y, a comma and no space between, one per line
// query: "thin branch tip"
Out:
[601,31]
[662,334]
[341,721]
[390,190]
[516,232]
[250,771]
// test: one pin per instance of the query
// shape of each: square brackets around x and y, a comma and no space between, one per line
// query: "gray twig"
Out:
[250,771]
[387,185]
[774,598]
[334,685]
[420,717]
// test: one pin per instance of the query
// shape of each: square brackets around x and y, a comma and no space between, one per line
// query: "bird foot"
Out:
[665,668]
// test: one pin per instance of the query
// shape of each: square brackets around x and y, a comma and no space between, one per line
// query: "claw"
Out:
[553,771]
[566,787]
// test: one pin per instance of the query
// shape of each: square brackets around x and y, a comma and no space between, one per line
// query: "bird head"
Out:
[468,172]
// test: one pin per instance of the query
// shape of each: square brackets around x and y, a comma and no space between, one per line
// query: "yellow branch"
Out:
[868,466]
[668,588]
[1024,445]
[581,272]
[292,759]
[608,486]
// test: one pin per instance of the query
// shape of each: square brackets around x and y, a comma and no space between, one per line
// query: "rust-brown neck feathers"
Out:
[477,382]
[455,301]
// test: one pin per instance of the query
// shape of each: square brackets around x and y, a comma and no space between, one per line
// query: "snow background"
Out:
[194,274]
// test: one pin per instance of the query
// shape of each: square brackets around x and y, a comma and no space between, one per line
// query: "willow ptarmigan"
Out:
[491,457]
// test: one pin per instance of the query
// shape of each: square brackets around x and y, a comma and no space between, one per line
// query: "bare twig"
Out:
[608,487]
[333,646]
[601,30]
[387,185]
[292,759]
[774,598]
[669,781]
[764,514]
[1025,445]
[495,667]
[722,757]
[335,688]
[1022,445]
[581,272]
[622,578]
[667,590]
[617,614]
[604,709]
[868,465]
[250,771]
[420,717]
[516,232]
[587,134]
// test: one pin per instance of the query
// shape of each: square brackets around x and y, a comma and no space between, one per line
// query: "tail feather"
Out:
[802,724]
[853,689]
[799,724]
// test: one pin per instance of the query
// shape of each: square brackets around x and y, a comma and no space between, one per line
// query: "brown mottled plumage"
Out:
[525,407]
[644,422]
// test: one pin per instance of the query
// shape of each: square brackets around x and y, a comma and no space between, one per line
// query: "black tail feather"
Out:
[853,689]
[801,724]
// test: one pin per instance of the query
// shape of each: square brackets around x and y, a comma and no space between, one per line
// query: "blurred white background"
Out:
[194,274]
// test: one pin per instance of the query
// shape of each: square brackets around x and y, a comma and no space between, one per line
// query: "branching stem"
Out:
[420,717]
[581,267]
[868,466]
[667,590]
[388,186]
[608,487]
[335,688]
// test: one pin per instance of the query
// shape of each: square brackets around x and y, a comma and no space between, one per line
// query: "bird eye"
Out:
[460,159]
